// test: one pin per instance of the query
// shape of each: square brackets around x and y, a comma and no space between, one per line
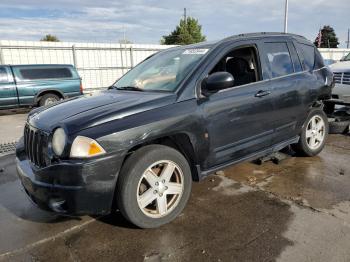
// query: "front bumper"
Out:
[341,94]
[72,187]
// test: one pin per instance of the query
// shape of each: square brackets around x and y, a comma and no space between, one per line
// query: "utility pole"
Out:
[286,17]
[185,15]
[348,42]
[124,34]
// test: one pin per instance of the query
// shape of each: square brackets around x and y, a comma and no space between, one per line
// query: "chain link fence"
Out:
[99,65]
[334,53]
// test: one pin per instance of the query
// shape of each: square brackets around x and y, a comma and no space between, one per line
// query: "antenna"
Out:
[286,17]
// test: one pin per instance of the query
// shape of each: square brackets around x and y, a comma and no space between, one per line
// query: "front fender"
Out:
[145,127]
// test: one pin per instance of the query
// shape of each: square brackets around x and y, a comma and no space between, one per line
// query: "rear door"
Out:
[8,93]
[287,88]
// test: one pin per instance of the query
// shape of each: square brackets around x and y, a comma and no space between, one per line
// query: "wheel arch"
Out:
[40,94]
[181,142]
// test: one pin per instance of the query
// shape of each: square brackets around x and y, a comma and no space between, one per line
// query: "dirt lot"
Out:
[298,210]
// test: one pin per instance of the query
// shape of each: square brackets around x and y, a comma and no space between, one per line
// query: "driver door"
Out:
[238,118]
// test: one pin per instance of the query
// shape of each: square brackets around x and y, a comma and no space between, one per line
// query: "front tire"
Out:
[154,186]
[313,134]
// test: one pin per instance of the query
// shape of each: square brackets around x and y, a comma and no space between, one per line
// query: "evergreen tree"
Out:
[328,38]
[187,32]
[50,38]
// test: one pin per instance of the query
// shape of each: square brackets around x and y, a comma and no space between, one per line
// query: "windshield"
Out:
[162,72]
[347,57]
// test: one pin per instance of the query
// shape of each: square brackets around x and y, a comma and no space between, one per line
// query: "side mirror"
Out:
[216,82]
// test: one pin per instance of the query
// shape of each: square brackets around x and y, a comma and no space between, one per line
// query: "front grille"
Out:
[346,78]
[36,144]
[342,78]
[338,77]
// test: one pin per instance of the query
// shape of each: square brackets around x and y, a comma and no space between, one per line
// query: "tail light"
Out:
[81,88]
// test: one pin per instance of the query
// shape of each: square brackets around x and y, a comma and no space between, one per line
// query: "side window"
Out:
[3,75]
[295,58]
[307,55]
[242,63]
[45,73]
[279,59]
[319,62]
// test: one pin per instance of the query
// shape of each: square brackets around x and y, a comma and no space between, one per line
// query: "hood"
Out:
[343,66]
[91,110]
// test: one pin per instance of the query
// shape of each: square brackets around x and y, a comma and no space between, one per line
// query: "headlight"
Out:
[83,147]
[59,141]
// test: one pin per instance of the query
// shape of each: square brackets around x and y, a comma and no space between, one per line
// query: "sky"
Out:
[146,21]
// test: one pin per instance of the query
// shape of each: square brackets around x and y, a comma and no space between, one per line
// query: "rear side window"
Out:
[45,73]
[3,75]
[307,55]
[319,62]
[279,59]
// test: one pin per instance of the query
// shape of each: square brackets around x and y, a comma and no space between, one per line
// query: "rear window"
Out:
[307,55]
[45,73]
[3,75]
[279,59]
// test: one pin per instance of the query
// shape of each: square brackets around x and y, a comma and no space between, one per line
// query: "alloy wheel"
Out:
[315,132]
[160,188]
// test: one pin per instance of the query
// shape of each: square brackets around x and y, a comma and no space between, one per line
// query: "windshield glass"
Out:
[161,72]
[347,57]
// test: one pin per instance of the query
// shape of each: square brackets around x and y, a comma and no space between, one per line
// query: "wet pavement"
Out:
[298,210]
[12,124]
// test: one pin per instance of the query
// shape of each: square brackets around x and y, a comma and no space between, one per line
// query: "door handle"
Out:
[262,93]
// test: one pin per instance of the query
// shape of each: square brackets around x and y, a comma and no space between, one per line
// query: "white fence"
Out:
[334,53]
[99,65]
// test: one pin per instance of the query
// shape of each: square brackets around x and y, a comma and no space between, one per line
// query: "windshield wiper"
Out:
[132,88]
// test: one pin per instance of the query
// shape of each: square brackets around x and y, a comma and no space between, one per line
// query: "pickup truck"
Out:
[178,116]
[37,85]
[341,91]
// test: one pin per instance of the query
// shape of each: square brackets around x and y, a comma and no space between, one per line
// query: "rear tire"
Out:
[48,99]
[154,186]
[313,134]
[339,127]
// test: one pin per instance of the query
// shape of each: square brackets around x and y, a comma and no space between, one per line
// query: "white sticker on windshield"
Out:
[195,51]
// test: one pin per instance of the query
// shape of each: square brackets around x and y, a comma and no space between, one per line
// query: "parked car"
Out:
[138,148]
[341,90]
[37,85]
[329,62]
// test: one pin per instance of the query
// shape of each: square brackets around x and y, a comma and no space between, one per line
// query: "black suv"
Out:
[178,116]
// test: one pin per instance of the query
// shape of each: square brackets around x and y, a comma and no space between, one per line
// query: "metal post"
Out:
[74,56]
[286,17]
[2,61]
[131,57]
[348,42]
[121,58]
